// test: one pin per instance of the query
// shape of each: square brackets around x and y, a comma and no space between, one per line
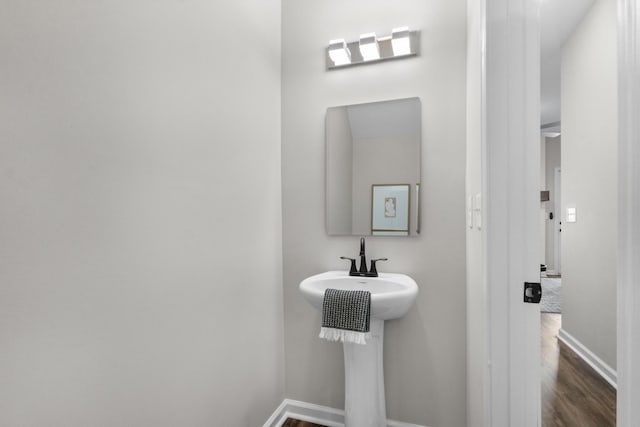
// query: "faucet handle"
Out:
[353,264]
[373,265]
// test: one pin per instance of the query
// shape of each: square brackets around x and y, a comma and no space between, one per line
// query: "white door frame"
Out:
[628,336]
[557,220]
[509,133]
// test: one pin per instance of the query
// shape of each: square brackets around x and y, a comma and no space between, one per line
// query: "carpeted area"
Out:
[551,301]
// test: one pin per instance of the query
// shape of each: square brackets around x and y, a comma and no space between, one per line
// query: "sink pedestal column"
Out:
[364,404]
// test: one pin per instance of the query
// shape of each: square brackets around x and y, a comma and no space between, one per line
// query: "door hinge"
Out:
[532,292]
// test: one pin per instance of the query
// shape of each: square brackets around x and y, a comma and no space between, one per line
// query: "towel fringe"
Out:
[342,335]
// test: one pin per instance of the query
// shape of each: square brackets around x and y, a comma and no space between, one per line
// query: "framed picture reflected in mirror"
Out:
[390,209]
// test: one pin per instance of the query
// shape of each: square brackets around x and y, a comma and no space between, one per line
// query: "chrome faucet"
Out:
[362,272]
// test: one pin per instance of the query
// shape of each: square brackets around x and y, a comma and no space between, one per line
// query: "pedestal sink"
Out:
[392,295]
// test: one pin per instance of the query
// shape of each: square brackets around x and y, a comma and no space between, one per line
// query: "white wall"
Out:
[589,180]
[140,222]
[425,351]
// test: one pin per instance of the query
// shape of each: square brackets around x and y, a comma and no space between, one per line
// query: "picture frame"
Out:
[390,209]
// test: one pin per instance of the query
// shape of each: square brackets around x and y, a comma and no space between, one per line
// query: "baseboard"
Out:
[317,414]
[275,420]
[304,411]
[605,371]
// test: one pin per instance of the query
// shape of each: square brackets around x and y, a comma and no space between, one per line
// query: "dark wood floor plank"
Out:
[573,394]
[290,422]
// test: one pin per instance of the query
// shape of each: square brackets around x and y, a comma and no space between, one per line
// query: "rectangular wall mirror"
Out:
[373,154]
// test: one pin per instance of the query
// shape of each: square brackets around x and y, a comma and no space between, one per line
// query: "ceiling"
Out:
[558,19]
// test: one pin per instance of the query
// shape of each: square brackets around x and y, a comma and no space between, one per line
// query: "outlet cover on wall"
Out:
[572,214]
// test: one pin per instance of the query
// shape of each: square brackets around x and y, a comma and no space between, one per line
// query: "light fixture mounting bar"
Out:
[386,51]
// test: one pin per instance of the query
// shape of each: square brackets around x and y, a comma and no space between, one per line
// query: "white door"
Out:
[510,171]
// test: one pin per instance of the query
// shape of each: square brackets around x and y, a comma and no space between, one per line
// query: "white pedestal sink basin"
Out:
[392,295]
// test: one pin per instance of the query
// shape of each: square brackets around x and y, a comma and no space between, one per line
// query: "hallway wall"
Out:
[140,213]
[589,181]
[425,351]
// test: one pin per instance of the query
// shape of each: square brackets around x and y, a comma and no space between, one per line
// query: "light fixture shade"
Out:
[339,52]
[400,41]
[369,48]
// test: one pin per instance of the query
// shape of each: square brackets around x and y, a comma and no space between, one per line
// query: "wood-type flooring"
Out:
[573,394]
[295,423]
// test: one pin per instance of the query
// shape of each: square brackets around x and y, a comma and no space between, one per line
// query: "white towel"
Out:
[342,335]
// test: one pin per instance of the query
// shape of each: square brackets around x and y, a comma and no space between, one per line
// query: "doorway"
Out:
[584,224]
[506,391]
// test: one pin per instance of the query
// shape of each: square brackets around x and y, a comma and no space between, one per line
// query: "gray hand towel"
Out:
[346,315]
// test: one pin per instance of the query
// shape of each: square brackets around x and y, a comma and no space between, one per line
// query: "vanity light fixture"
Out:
[401,43]
[369,48]
[339,52]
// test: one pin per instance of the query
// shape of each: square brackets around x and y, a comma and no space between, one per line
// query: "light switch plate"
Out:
[572,214]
